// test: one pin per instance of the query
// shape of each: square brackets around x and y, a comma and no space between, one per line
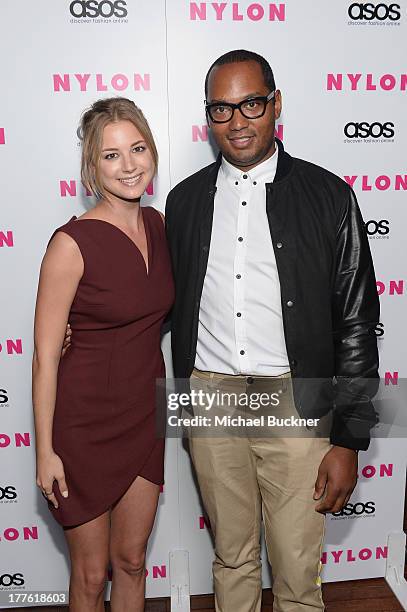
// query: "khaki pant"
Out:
[243,479]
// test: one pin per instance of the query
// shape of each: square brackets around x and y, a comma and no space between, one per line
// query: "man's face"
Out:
[243,142]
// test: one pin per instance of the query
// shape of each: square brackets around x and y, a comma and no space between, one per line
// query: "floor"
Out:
[356,596]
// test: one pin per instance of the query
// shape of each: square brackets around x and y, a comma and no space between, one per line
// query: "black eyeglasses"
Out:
[251,108]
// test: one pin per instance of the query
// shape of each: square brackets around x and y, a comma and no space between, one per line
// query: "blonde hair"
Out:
[93,121]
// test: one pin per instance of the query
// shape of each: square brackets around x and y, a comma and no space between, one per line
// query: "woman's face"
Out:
[126,165]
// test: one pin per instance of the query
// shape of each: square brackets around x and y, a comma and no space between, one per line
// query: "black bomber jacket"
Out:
[328,289]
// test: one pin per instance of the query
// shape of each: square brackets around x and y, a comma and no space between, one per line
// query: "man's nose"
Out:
[238,121]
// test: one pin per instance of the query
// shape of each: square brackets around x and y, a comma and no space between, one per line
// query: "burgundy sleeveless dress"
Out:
[104,427]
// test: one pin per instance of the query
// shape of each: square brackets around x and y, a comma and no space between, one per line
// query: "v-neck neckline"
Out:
[147,264]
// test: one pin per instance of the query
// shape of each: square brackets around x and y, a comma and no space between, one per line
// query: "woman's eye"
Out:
[110,156]
[139,149]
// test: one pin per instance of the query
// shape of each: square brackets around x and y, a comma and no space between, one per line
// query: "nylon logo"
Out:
[394,287]
[391,378]
[234,11]
[383,182]
[6,238]
[365,82]
[19,440]
[384,470]
[11,534]
[11,347]
[204,522]
[349,555]
[99,82]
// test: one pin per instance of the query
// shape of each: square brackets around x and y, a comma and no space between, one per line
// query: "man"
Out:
[274,279]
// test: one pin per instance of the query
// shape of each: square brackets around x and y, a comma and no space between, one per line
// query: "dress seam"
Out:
[109,372]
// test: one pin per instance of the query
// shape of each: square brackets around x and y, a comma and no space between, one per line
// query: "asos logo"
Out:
[374,227]
[356,509]
[369,130]
[8,493]
[7,580]
[377,331]
[96,8]
[368,11]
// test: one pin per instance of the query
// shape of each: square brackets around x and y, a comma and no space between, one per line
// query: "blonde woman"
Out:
[107,273]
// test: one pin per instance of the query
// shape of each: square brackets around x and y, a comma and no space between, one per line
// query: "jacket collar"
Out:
[284,166]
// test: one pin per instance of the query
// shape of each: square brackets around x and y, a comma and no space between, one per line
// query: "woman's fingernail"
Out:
[65,494]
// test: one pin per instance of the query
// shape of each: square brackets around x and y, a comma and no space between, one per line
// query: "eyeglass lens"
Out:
[251,109]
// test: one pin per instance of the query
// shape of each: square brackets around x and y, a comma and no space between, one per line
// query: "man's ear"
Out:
[278,103]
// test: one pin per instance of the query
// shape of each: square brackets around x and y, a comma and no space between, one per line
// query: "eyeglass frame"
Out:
[265,99]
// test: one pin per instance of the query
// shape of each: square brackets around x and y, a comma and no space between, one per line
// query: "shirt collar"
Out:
[262,173]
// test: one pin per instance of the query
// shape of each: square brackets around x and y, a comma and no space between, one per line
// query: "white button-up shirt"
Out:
[240,318]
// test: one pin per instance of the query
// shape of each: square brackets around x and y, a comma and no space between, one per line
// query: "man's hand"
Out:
[67,340]
[337,477]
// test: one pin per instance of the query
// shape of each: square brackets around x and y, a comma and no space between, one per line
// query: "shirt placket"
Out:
[240,274]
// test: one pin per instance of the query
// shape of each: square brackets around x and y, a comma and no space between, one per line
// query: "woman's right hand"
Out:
[67,340]
[50,468]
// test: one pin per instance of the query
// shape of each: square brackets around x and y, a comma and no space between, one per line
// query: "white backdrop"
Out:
[334,69]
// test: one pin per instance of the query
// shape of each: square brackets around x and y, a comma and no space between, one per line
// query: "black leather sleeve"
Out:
[355,312]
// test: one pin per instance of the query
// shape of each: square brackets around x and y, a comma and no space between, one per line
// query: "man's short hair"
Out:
[241,55]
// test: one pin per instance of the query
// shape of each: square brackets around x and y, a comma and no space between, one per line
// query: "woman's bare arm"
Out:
[61,271]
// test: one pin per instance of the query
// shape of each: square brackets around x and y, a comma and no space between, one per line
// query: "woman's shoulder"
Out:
[68,236]
[63,251]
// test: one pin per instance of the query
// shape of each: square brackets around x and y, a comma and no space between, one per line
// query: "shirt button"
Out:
[242,352]
[238,314]
[240,239]
[279,245]
[290,304]
[205,248]
[238,276]
[254,182]
[293,362]
[244,203]
[236,182]
[245,176]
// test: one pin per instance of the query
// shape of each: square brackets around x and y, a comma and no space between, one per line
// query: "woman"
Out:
[99,462]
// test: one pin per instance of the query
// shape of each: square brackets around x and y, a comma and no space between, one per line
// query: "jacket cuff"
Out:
[350,433]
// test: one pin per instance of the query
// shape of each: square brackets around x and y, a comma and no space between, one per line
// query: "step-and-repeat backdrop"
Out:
[341,68]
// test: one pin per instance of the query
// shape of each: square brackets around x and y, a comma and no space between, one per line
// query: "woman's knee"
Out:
[92,578]
[133,563]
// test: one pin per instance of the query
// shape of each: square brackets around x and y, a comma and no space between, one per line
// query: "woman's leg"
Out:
[89,551]
[132,520]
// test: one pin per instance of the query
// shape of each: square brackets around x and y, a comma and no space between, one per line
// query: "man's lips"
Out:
[240,142]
